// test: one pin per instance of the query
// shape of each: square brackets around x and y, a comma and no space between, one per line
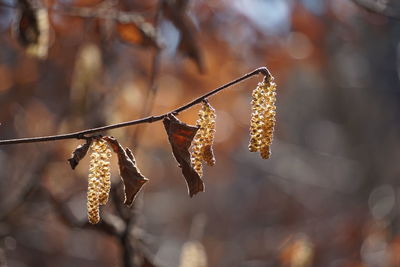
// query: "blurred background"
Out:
[329,195]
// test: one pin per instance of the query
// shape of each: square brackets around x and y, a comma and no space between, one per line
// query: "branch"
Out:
[112,225]
[386,9]
[82,134]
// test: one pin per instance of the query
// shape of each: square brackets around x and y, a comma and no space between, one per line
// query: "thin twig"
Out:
[111,225]
[153,85]
[150,96]
[82,134]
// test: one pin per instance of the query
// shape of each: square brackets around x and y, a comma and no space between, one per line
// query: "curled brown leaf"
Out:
[180,136]
[79,153]
[132,178]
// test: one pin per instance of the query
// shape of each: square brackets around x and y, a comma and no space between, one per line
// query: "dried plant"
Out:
[181,136]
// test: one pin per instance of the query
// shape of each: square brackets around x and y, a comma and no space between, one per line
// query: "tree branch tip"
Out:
[264,71]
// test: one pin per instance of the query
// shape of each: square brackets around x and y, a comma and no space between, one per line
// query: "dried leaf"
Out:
[79,153]
[3,259]
[130,174]
[180,136]
[176,12]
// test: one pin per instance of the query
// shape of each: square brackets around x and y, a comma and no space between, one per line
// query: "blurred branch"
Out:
[19,194]
[111,225]
[386,8]
[82,134]
[3,259]
[120,227]
[153,86]
[132,255]
[128,248]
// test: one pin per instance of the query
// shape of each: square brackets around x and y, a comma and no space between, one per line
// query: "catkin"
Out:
[262,121]
[204,138]
[99,182]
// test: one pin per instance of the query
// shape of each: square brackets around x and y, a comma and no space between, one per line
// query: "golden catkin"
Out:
[204,138]
[105,182]
[93,200]
[262,121]
[99,182]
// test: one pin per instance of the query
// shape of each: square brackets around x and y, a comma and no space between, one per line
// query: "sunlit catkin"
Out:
[105,181]
[202,142]
[99,183]
[262,121]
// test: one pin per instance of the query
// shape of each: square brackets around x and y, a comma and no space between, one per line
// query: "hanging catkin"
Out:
[99,183]
[202,142]
[262,121]
[105,176]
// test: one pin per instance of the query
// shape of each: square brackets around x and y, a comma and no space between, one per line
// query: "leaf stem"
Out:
[83,134]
